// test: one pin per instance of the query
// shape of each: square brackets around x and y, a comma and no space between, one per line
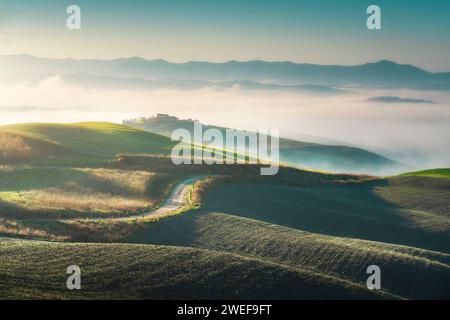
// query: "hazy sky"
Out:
[319,31]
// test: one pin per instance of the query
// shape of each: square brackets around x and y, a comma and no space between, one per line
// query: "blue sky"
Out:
[319,31]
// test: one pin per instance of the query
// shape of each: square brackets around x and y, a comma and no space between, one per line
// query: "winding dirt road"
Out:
[176,200]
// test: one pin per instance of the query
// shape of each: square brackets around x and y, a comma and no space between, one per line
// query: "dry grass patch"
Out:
[14,228]
[78,192]
[13,148]
[56,198]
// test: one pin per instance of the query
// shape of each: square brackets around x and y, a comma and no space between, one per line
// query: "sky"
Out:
[319,31]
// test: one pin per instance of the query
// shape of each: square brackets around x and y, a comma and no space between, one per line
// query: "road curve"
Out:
[176,200]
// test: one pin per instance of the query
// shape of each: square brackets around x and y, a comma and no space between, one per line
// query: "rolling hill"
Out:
[400,224]
[19,148]
[51,192]
[404,211]
[95,139]
[157,272]
[433,173]
[84,143]
[336,158]
[59,170]
[406,271]
[299,234]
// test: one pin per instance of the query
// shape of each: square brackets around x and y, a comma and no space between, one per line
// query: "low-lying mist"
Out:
[417,134]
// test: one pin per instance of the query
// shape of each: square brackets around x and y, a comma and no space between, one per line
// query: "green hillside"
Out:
[292,152]
[18,148]
[411,211]
[93,140]
[50,192]
[157,272]
[299,234]
[406,271]
[433,173]
[61,170]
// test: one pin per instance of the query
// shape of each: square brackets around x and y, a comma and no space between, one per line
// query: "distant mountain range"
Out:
[108,82]
[381,74]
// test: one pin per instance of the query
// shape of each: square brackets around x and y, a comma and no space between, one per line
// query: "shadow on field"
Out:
[346,210]
[406,271]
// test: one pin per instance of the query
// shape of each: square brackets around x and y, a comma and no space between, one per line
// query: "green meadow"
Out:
[75,193]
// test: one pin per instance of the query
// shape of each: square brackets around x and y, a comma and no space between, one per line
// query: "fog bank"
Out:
[417,134]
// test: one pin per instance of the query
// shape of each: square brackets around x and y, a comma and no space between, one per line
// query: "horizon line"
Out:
[222,62]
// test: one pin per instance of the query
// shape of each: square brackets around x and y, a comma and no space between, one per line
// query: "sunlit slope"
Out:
[58,192]
[406,271]
[156,272]
[95,139]
[18,148]
[424,201]
[432,173]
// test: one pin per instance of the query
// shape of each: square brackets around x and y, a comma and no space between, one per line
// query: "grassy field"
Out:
[432,173]
[300,234]
[400,224]
[60,170]
[63,171]
[121,271]
[407,211]
[96,140]
[19,149]
[423,201]
[46,192]
[406,271]
[84,142]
